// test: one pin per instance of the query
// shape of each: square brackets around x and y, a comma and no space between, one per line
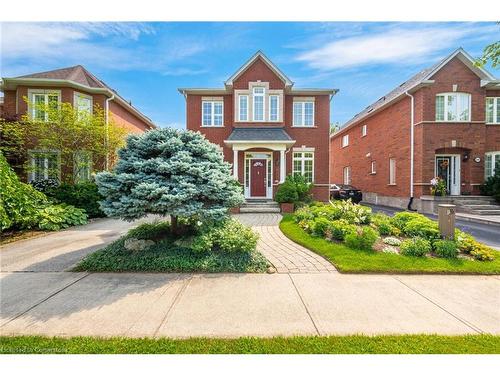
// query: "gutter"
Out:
[107,130]
[412,135]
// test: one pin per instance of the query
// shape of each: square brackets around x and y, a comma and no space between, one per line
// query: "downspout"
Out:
[412,130]
[107,129]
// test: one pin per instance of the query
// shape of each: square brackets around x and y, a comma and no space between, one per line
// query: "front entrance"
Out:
[258,168]
[258,175]
[448,168]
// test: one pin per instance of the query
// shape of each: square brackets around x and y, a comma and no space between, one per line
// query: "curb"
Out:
[477,220]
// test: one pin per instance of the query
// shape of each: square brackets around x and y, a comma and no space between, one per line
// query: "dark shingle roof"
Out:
[77,74]
[259,134]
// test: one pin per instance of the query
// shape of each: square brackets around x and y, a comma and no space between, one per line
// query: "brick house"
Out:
[265,127]
[75,85]
[444,121]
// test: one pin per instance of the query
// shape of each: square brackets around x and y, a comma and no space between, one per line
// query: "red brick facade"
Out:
[312,137]
[388,136]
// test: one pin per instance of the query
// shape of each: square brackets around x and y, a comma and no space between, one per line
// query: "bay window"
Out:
[303,164]
[303,113]
[212,113]
[258,103]
[493,110]
[453,107]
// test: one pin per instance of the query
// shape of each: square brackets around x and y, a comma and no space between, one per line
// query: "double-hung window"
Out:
[82,103]
[243,108]
[345,140]
[453,107]
[212,113]
[273,108]
[392,171]
[303,164]
[303,113]
[44,104]
[493,110]
[82,166]
[491,162]
[43,165]
[258,103]
[346,172]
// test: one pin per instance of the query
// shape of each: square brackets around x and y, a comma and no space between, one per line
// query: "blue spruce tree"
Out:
[169,172]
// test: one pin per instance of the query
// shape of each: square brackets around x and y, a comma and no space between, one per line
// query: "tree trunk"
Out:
[173,225]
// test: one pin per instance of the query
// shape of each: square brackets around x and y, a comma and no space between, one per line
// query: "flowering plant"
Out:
[438,186]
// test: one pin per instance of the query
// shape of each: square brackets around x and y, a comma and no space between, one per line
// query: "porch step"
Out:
[477,205]
[257,206]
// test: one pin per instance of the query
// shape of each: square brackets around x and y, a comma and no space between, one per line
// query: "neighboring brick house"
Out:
[455,111]
[266,128]
[74,85]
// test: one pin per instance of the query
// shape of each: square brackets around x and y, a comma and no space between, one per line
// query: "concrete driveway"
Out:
[60,251]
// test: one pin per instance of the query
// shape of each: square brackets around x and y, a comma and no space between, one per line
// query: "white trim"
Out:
[46,93]
[277,107]
[212,113]
[263,96]
[239,107]
[456,171]
[393,165]
[346,176]
[364,130]
[373,167]
[269,187]
[345,140]
[446,95]
[302,123]
[494,155]
[272,145]
[302,160]
[77,95]
[495,114]
[269,63]
[32,156]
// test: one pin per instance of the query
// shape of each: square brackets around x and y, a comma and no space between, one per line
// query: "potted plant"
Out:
[287,195]
[438,187]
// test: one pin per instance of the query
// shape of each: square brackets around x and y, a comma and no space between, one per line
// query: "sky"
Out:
[147,62]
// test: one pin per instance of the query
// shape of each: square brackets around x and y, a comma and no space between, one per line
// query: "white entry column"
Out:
[235,164]
[282,166]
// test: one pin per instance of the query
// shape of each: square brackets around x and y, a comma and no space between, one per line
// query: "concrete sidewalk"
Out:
[232,305]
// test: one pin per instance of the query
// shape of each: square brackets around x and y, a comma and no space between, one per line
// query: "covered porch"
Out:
[259,159]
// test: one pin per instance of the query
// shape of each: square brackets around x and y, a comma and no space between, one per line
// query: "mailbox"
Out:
[446,217]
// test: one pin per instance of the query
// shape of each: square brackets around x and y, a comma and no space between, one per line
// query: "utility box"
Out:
[446,218]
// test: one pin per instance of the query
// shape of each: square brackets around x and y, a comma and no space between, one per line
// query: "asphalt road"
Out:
[486,233]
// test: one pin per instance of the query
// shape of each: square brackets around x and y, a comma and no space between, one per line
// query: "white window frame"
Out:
[446,95]
[277,108]
[77,172]
[496,115]
[302,123]
[79,95]
[46,94]
[373,167]
[263,95]
[240,97]
[346,175]
[345,140]
[392,171]
[488,172]
[212,113]
[33,154]
[302,159]
[364,130]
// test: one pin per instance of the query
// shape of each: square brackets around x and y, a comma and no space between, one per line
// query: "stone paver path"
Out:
[285,255]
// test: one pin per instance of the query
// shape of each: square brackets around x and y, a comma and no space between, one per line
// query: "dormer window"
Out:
[258,103]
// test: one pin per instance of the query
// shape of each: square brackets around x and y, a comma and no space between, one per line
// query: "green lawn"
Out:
[358,261]
[395,344]
[166,257]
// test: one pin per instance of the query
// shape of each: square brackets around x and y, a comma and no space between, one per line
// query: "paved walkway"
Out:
[233,305]
[285,255]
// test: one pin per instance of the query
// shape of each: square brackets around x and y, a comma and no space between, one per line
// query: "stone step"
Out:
[485,212]
[248,210]
[274,204]
[474,202]
[481,206]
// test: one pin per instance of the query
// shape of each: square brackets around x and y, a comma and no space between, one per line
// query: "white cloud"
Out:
[400,44]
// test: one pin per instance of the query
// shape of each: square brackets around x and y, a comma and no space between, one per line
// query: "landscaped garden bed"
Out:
[356,344]
[224,247]
[356,240]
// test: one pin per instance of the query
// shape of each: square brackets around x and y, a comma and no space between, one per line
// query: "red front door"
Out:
[258,168]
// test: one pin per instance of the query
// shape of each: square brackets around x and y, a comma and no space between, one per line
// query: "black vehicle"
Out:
[341,191]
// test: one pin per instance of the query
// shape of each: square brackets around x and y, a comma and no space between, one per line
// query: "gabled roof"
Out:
[269,63]
[420,79]
[77,77]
